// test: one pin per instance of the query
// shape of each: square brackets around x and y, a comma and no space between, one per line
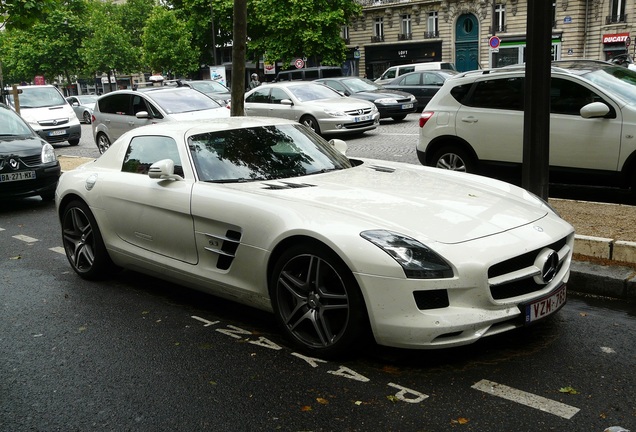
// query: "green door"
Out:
[466,43]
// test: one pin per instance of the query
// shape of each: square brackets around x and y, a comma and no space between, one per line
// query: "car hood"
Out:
[425,202]
[220,112]
[382,93]
[21,146]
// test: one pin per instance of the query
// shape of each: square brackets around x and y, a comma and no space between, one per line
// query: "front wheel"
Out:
[398,118]
[83,242]
[454,158]
[74,142]
[317,301]
[103,143]
[311,123]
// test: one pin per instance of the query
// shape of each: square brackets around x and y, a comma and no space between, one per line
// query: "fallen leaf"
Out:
[358,403]
[306,408]
[569,390]
[582,314]
[392,398]
[17,257]
[460,420]
[322,401]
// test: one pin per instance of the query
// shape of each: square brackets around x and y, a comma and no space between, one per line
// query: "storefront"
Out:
[615,44]
[379,58]
[513,51]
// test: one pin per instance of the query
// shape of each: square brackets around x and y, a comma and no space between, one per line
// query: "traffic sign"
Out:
[494,42]
[299,63]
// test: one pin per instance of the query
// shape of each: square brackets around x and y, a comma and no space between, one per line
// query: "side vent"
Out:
[225,247]
[287,185]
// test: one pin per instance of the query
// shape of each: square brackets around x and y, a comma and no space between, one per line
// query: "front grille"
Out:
[53,122]
[515,276]
[32,161]
[354,113]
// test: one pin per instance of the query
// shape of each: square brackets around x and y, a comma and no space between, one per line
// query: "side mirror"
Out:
[142,115]
[594,109]
[339,145]
[286,102]
[163,170]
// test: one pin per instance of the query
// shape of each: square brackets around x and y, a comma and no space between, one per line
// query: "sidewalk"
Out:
[602,266]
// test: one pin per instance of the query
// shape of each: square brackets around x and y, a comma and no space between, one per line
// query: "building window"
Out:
[432,25]
[344,33]
[617,12]
[406,27]
[500,18]
[378,30]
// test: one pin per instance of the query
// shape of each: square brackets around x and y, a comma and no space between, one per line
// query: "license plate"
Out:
[407,106]
[57,132]
[363,118]
[546,306]
[17,176]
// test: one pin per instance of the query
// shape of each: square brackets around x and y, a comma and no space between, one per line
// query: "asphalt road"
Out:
[134,353]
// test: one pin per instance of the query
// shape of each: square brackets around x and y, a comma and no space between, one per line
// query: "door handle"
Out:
[470,119]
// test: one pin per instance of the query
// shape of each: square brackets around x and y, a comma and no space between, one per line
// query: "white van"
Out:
[395,71]
[48,113]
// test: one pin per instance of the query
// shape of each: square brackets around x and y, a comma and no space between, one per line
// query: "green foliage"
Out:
[22,14]
[166,44]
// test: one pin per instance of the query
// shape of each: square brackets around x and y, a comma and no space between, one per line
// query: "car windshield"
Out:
[177,101]
[262,153]
[358,85]
[310,92]
[86,100]
[618,80]
[39,97]
[11,125]
[209,87]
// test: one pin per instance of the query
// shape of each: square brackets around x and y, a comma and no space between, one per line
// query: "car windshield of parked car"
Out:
[11,125]
[39,97]
[87,100]
[358,85]
[175,102]
[262,153]
[209,87]
[619,81]
[311,92]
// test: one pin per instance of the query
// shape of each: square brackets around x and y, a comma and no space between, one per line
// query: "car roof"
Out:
[575,67]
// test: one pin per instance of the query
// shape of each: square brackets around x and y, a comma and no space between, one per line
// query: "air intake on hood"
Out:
[286,185]
[382,168]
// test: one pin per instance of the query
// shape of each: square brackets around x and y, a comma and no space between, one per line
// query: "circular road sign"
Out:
[494,42]
[299,63]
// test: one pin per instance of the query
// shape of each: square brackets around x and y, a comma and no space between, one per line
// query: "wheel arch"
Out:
[629,171]
[439,142]
[64,202]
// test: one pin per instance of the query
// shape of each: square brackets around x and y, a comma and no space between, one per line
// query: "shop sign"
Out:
[615,38]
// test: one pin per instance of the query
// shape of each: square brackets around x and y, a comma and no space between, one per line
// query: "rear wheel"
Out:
[454,158]
[74,142]
[103,143]
[399,117]
[83,242]
[311,123]
[317,301]
[87,117]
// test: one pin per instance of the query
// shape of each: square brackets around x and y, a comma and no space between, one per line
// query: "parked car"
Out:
[122,110]
[423,85]
[475,123]
[390,103]
[28,165]
[211,88]
[266,212]
[396,71]
[83,106]
[48,113]
[322,109]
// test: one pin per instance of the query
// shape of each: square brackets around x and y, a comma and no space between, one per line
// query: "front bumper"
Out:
[45,182]
[54,135]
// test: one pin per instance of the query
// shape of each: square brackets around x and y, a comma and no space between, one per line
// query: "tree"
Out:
[24,13]
[166,43]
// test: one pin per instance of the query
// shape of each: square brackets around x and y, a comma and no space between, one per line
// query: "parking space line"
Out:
[58,249]
[528,399]
[24,238]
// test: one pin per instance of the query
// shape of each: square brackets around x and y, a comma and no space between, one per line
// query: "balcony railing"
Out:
[431,34]
[382,2]
[615,19]
[405,36]
[377,38]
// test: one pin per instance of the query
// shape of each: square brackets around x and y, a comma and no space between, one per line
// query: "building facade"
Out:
[481,33]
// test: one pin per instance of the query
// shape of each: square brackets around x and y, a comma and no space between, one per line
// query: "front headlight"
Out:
[386,101]
[417,260]
[334,113]
[48,154]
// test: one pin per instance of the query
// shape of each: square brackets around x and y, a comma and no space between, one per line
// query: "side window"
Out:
[278,95]
[433,79]
[116,104]
[143,151]
[72,100]
[138,104]
[389,74]
[568,97]
[407,69]
[259,96]
[412,80]
[297,75]
[503,94]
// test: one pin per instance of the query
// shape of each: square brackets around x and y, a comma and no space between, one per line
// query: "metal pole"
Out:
[213,35]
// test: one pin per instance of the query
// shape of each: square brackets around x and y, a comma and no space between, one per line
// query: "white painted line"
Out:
[528,399]
[58,249]
[26,239]
[1,229]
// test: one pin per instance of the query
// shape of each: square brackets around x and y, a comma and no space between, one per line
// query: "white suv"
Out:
[475,124]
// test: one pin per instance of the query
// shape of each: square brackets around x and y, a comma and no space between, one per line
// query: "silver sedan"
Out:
[322,109]
[83,106]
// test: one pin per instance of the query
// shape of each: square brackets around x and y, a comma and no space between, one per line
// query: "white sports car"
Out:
[266,212]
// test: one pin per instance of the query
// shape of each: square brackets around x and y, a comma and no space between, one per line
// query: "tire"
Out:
[103,143]
[398,118]
[74,142]
[87,117]
[317,301]
[311,123]
[83,242]
[454,158]
[48,196]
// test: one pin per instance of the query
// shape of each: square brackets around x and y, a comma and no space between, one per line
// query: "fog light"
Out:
[338,126]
